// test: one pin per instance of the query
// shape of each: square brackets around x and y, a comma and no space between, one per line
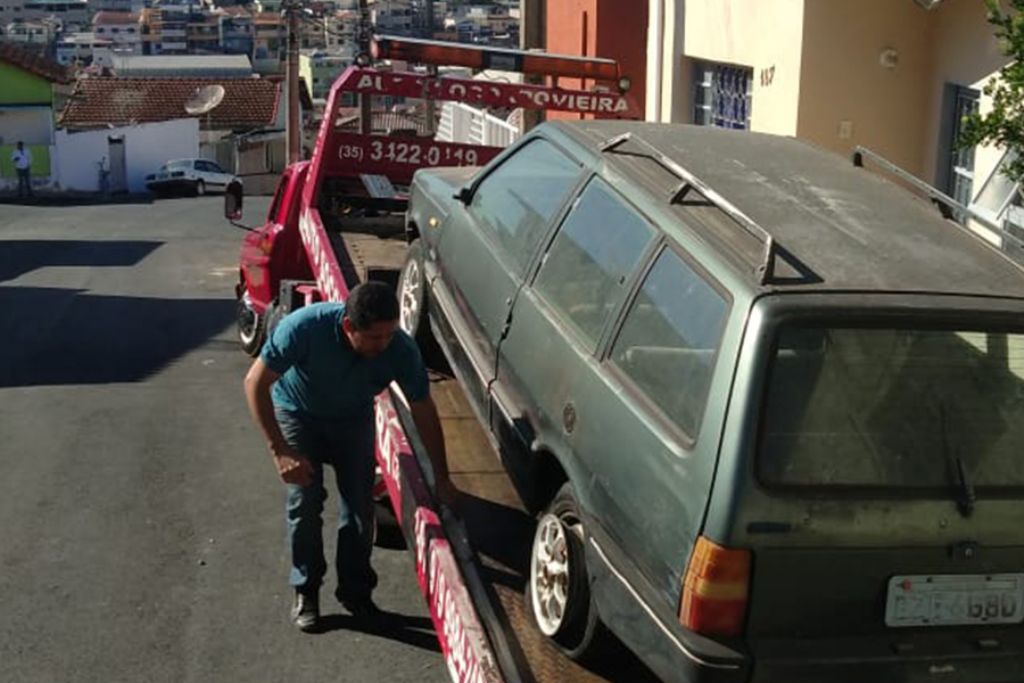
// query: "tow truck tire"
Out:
[558,589]
[251,328]
[413,304]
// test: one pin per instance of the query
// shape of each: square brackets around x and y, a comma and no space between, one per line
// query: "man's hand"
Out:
[293,468]
[428,424]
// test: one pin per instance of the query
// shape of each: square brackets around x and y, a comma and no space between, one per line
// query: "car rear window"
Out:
[669,340]
[894,408]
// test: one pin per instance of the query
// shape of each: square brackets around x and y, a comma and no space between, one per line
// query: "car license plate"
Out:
[955,599]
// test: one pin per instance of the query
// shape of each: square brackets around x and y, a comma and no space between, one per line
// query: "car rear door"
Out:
[209,174]
[221,178]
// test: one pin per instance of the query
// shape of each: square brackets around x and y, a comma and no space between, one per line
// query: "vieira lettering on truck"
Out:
[369,81]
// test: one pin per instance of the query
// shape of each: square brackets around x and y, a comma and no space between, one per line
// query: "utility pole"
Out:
[365,113]
[294,124]
[431,106]
[532,37]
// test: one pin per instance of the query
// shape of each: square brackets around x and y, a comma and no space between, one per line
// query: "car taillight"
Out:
[715,590]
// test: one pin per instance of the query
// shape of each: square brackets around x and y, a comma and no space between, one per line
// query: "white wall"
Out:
[147,146]
[31,125]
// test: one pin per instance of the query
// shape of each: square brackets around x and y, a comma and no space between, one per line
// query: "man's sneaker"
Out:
[361,608]
[306,611]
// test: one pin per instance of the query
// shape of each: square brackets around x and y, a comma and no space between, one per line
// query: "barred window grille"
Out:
[722,96]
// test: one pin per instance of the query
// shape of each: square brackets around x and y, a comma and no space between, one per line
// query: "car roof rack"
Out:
[689,182]
[950,208]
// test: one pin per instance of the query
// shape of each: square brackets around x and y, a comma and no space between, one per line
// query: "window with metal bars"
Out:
[722,95]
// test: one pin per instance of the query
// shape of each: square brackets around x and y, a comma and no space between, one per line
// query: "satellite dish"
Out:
[204,99]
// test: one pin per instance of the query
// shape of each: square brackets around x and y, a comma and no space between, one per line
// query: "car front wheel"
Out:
[412,304]
[558,590]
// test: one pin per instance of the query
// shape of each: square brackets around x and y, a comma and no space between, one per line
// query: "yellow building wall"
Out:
[865,80]
[766,35]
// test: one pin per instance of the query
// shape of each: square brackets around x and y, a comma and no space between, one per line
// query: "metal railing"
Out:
[469,125]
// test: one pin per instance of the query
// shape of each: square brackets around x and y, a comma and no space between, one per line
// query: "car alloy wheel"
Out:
[200,188]
[550,577]
[558,593]
[410,297]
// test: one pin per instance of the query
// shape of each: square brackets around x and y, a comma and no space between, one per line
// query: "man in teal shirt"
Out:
[311,393]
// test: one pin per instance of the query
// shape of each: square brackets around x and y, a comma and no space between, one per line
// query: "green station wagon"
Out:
[769,405]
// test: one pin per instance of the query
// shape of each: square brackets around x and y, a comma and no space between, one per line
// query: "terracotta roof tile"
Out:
[35,62]
[248,102]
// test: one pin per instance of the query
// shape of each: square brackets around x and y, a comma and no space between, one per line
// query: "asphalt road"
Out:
[141,521]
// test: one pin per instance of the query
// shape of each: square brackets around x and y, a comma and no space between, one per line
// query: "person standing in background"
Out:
[22,160]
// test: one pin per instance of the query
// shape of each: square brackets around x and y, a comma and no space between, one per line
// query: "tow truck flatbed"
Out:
[498,529]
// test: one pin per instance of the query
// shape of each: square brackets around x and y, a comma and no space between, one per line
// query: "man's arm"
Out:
[292,467]
[428,424]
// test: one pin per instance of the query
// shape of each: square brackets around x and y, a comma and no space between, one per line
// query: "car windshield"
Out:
[894,408]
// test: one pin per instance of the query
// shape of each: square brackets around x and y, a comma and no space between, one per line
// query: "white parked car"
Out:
[198,176]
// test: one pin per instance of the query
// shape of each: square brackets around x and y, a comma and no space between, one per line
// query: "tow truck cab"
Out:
[270,254]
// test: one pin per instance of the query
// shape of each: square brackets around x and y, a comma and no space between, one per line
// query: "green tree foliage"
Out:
[1004,124]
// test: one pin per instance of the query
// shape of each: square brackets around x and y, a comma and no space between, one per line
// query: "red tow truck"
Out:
[334,222]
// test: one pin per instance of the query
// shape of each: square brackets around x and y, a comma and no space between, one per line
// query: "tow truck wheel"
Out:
[558,590]
[251,326]
[412,304]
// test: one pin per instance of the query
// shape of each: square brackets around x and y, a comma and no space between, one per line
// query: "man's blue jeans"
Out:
[24,182]
[347,446]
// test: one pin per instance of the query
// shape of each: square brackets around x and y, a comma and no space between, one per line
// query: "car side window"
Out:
[214,168]
[597,247]
[669,340]
[519,198]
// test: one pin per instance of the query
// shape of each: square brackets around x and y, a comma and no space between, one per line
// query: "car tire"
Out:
[251,327]
[200,188]
[413,305]
[558,595]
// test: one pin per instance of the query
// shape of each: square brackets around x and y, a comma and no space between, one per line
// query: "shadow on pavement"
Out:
[415,631]
[84,199]
[18,257]
[497,531]
[61,336]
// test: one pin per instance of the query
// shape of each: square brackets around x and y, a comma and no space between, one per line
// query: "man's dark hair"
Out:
[369,303]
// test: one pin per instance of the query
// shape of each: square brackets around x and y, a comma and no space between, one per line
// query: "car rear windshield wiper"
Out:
[965,489]
[967,496]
